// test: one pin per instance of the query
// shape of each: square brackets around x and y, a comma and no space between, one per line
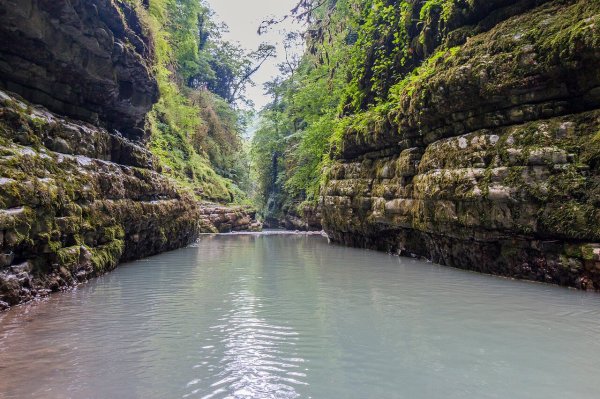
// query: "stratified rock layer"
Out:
[303,217]
[89,60]
[226,219]
[75,200]
[490,157]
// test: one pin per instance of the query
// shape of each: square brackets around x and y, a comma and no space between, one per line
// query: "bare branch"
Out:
[301,12]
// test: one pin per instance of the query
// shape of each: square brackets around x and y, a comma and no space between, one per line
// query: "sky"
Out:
[243,18]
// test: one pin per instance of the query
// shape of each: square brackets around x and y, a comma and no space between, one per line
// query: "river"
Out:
[291,316]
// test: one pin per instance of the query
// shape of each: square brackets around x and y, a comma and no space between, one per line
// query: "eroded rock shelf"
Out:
[490,161]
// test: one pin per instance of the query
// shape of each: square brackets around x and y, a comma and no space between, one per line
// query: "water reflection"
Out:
[259,316]
[251,356]
[258,359]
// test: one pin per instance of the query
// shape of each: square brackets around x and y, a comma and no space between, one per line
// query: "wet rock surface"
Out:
[490,160]
[90,60]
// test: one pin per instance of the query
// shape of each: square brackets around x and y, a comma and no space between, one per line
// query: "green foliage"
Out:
[358,52]
[291,146]
[382,51]
[446,8]
[219,137]
[268,146]
[195,134]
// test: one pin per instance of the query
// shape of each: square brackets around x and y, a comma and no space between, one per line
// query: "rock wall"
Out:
[75,200]
[78,196]
[87,59]
[490,157]
[302,217]
[294,216]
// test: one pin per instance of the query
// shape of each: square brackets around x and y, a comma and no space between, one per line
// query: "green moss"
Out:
[590,152]
[573,250]
[571,219]
[564,35]
[112,233]
[408,85]
[68,257]
[589,252]
[105,257]
[51,240]
[586,252]
[515,177]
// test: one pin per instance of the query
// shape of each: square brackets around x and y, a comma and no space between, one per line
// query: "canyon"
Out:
[485,156]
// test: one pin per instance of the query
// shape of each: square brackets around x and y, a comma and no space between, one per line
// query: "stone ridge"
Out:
[490,157]
[90,60]
[304,217]
[75,200]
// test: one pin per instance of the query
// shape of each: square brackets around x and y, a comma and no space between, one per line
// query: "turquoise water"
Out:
[290,316]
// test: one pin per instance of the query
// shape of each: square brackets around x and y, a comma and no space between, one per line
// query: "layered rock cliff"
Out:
[90,60]
[79,190]
[303,217]
[226,219]
[75,200]
[488,155]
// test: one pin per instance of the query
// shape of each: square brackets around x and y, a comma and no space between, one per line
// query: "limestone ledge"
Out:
[216,218]
[31,125]
[490,160]
[303,217]
[520,201]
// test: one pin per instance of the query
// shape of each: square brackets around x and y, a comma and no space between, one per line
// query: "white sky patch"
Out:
[243,18]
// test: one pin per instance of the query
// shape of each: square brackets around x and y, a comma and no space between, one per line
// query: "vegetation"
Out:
[197,124]
[369,65]
[290,148]
[366,65]
[356,52]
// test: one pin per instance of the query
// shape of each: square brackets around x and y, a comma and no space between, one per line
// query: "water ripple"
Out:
[257,359]
[289,316]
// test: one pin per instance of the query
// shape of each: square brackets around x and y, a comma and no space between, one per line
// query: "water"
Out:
[274,316]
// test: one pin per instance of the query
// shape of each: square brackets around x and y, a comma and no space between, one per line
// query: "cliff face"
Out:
[303,217]
[79,191]
[489,157]
[89,60]
[75,200]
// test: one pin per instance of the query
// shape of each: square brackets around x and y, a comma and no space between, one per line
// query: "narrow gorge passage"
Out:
[290,316]
[321,199]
